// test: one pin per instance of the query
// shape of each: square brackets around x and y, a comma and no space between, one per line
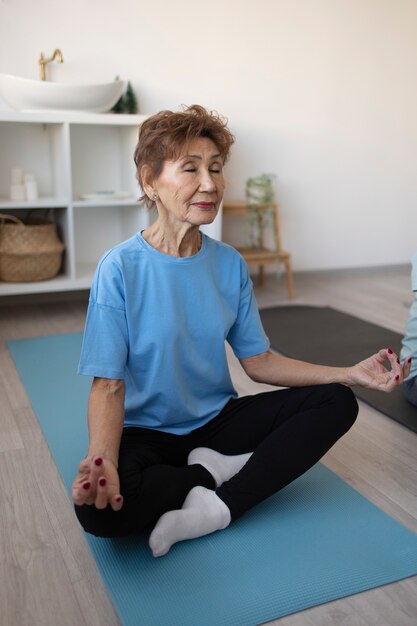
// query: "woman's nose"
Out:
[206,182]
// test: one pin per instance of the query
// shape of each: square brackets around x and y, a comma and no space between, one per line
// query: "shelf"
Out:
[83,278]
[59,283]
[106,203]
[41,203]
[97,229]
[74,117]
[96,167]
[69,154]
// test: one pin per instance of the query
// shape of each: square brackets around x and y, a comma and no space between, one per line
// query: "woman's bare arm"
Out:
[282,371]
[97,481]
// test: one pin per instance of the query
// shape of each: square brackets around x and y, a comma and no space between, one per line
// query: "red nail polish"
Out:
[102,482]
[86,486]
[410,359]
[398,361]
[397,377]
[98,461]
[389,351]
[119,499]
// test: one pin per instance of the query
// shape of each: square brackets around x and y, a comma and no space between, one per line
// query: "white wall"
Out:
[323,93]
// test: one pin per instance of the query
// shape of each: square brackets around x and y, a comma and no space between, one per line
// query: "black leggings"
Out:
[288,431]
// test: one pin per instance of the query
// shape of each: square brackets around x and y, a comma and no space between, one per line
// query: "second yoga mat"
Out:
[329,337]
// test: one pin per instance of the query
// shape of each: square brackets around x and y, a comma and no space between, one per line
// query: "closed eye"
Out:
[213,170]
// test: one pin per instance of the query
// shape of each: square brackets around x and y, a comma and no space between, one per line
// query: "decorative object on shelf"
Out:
[260,199]
[28,252]
[259,189]
[31,187]
[127,102]
[130,100]
[16,176]
[23,187]
[17,188]
[119,106]
[17,192]
[106,195]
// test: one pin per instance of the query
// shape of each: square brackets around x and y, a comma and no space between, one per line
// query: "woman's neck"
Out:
[182,242]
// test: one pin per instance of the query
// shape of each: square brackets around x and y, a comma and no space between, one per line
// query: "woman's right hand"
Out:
[97,483]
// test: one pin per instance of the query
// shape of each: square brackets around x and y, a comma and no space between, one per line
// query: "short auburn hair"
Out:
[163,135]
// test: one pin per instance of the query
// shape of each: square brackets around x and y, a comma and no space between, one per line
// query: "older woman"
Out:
[171,445]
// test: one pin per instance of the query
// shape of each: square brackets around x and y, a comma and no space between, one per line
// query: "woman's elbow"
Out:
[109,386]
[255,366]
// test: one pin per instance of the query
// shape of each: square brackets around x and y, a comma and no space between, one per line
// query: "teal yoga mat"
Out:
[315,541]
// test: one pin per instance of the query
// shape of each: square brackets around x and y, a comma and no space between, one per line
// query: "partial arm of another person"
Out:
[275,369]
[97,481]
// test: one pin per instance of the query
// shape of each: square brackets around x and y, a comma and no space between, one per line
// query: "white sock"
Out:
[202,513]
[221,466]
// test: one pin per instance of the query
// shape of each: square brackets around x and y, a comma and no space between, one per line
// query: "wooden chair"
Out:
[262,255]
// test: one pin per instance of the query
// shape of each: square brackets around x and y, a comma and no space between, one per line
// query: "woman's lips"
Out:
[204,205]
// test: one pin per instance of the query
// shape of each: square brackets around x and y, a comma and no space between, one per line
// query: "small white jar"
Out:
[31,187]
[17,193]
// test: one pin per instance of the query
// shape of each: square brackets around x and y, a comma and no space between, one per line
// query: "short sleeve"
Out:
[247,336]
[105,344]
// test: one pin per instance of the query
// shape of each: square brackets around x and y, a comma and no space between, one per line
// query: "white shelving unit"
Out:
[72,154]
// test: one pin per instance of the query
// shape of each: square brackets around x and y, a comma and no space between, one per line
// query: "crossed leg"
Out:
[306,424]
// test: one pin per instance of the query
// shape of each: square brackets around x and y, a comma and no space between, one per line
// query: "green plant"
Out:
[259,194]
[127,103]
[130,102]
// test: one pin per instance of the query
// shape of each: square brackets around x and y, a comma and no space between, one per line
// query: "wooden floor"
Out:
[47,576]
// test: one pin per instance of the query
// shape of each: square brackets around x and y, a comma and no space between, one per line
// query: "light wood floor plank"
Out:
[10,438]
[35,583]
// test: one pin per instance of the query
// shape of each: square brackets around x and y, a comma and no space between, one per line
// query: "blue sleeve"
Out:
[414,273]
[247,336]
[105,345]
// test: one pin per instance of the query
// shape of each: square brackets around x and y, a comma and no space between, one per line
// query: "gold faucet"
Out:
[42,61]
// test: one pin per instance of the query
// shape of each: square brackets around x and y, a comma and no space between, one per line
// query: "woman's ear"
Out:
[147,180]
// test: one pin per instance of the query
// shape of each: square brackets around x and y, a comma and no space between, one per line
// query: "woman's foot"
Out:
[203,512]
[221,466]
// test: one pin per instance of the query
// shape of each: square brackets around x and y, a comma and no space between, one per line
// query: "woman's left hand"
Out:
[373,374]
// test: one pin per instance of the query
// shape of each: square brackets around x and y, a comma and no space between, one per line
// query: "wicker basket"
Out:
[28,252]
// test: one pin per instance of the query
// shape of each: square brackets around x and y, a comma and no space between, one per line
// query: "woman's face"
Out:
[191,188]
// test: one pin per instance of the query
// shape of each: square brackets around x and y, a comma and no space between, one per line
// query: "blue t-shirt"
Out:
[409,347]
[160,323]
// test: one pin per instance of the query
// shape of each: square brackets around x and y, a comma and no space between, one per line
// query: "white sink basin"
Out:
[38,95]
